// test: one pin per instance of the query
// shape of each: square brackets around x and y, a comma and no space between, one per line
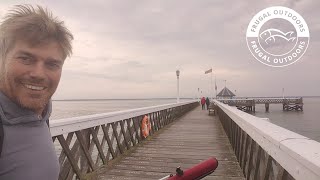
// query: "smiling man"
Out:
[33,47]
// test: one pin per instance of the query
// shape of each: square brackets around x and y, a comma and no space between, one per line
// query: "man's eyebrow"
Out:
[25,53]
[55,60]
[33,56]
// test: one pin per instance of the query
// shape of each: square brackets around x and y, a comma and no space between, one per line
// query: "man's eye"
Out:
[53,65]
[25,60]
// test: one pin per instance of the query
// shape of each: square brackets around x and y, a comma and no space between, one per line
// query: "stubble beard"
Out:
[34,102]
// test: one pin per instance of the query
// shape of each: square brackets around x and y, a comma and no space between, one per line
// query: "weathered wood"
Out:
[154,120]
[94,133]
[248,105]
[211,109]
[69,154]
[71,173]
[248,139]
[66,166]
[130,131]
[158,120]
[136,125]
[267,107]
[187,142]
[246,162]
[153,128]
[250,165]
[281,174]
[241,147]
[115,133]
[62,154]
[109,142]
[165,119]
[291,107]
[83,146]
[238,142]
[98,159]
[79,160]
[257,166]
[125,139]
[266,171]
[84,163]
[231,133]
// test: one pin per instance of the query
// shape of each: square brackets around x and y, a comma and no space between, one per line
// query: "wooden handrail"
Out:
[88,142]
[264,149]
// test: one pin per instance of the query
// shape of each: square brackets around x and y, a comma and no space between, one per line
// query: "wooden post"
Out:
[267,107]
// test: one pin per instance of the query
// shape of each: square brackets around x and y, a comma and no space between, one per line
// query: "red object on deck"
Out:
[199,171]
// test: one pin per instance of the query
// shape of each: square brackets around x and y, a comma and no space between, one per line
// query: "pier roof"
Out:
[225,92]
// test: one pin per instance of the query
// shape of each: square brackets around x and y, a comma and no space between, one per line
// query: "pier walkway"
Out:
[111,146]
[194,137]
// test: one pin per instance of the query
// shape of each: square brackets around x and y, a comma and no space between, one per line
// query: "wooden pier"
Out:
[193,138]
[248,104]
[111,146]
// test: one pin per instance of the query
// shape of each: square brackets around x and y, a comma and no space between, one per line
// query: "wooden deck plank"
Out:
[186,142]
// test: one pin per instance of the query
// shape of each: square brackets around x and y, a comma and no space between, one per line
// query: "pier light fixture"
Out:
[178,74]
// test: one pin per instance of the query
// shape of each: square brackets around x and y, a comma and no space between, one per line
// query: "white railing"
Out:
[67,125]
[85,143]
[299,156]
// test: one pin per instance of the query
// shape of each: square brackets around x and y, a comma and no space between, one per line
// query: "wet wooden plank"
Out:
[186,142]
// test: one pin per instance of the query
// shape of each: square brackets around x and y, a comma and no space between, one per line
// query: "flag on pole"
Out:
[215,86]
[208,71]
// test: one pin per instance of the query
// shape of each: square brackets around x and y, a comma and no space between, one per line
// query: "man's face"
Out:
[32,74]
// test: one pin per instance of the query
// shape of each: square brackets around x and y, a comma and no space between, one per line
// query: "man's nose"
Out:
[38,71]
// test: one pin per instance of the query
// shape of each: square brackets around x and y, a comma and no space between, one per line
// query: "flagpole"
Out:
[211,91]
[215,84]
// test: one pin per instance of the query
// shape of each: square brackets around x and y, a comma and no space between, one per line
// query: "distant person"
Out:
[33,47]
[207,103]
[203,102]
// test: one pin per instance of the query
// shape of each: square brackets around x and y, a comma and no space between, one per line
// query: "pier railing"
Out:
[250,101]
[267,151]
[249,105]
[87,142]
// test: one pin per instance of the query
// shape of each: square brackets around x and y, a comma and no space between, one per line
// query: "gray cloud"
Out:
[132,44]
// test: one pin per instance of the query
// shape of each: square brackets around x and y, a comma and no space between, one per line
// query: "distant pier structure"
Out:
[248,104]
[225,93]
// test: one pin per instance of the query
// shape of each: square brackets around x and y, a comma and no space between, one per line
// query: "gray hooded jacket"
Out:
[28,152]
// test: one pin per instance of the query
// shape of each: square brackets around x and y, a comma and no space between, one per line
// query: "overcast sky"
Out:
[131,49]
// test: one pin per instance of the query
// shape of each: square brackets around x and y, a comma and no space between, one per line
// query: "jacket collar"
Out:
[11,113]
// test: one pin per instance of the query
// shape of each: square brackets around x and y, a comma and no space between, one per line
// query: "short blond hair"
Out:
[33,25]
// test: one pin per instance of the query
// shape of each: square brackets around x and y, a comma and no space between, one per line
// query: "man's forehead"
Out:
[48,48]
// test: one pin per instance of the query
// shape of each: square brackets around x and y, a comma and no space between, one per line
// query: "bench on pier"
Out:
[211,109]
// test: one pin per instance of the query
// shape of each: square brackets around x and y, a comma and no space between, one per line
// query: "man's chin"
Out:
[36,105]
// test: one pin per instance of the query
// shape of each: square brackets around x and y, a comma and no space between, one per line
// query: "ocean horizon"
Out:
[302,122]
[102,99]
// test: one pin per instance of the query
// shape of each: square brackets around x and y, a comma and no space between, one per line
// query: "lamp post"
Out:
[198,94]
[178,74]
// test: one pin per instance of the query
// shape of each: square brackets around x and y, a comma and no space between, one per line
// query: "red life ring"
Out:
[145,126]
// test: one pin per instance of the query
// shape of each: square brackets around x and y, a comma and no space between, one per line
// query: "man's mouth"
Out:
[33,87]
